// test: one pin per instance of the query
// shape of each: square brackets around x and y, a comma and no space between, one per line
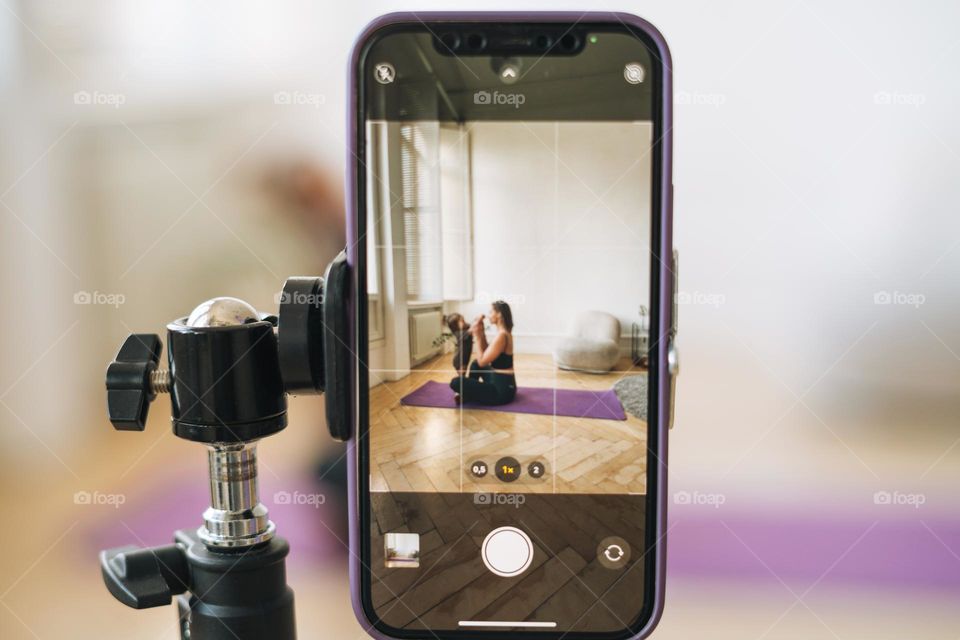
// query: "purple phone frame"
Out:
[666,274]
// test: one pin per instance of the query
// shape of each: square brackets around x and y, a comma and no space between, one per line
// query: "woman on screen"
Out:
[489,380]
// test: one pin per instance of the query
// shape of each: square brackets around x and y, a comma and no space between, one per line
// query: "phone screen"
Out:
[506,318]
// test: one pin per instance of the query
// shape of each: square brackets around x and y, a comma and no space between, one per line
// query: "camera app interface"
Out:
[506,228]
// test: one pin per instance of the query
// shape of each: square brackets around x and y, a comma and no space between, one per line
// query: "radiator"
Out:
[425,328]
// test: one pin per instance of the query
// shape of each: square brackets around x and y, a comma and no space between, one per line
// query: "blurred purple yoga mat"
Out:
[542,400]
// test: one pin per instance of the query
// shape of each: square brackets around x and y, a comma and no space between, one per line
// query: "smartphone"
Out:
[510,242]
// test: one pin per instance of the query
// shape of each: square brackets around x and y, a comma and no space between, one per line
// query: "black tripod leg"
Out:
[238,595]
[227,595]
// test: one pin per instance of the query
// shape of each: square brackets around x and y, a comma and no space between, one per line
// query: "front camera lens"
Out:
[476,41]
[542,42]
[450,40]
[569,42]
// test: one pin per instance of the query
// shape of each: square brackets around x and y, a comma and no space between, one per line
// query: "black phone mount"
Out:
[230,369]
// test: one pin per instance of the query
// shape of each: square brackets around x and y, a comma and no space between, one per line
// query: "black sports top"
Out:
[504,360]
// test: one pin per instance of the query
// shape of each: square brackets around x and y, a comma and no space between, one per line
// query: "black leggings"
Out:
[484,385]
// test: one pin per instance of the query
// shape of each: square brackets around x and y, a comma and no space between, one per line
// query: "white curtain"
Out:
[419,168]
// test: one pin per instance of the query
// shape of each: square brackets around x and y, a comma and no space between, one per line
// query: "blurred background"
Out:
[155,154]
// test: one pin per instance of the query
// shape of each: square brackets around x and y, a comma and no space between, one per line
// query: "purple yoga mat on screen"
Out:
[542,400]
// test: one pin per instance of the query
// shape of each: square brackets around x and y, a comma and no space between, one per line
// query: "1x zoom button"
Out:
[507,469]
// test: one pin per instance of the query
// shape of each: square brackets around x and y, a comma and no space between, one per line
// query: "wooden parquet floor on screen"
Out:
[427,449]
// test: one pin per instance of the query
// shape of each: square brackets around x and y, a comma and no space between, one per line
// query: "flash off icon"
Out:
[384,73]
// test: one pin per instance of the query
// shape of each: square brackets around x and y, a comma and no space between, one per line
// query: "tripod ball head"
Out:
[231,367]
[222,312]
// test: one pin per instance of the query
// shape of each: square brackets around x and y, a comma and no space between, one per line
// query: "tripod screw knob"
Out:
[133,381]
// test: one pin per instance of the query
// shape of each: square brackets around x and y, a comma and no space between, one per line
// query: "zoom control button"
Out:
[507,469]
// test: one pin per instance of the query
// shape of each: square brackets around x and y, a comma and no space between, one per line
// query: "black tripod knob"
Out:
[143,578]
[130,388]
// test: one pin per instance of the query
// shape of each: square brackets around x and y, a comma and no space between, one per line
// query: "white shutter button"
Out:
[507,551]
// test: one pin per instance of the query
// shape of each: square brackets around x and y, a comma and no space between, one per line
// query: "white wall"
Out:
[455,219]
[561,217]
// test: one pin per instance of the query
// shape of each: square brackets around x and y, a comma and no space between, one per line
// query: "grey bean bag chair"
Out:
[593,347]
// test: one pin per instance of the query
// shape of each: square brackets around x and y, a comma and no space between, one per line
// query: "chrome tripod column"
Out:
[236,517]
